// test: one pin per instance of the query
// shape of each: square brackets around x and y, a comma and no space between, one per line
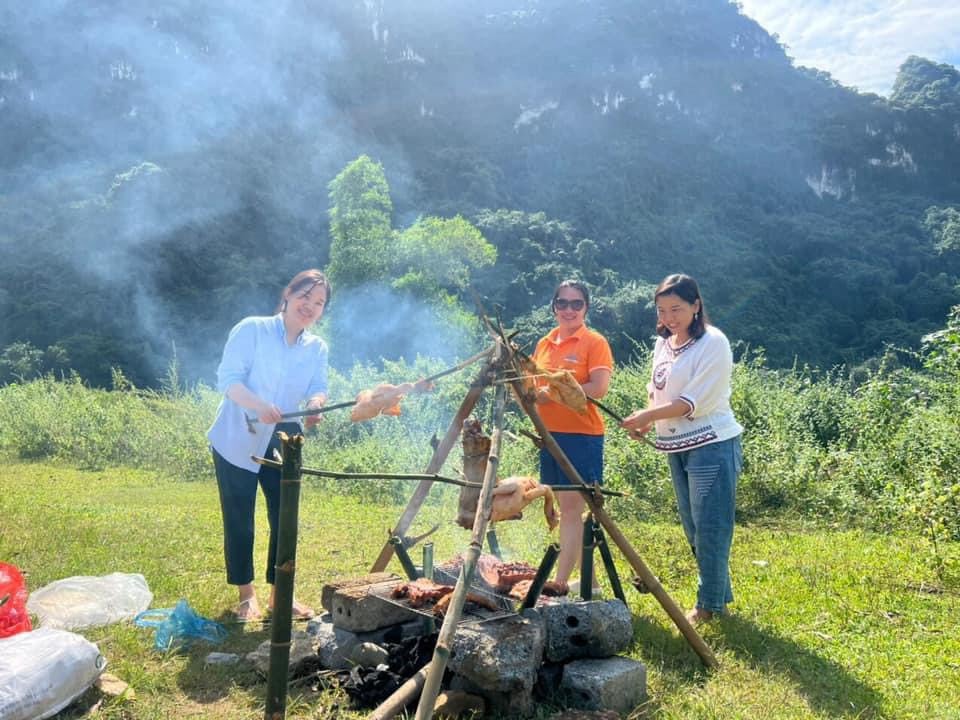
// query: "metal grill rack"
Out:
[448,575]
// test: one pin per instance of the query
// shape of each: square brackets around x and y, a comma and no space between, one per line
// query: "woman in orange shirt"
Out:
[586,354]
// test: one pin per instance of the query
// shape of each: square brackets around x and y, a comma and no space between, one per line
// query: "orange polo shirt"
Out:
[581,353]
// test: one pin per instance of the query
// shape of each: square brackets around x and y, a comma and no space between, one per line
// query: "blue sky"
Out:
[862,42]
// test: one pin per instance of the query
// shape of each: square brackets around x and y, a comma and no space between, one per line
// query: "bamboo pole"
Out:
[436,462]
[672,609]
[394,705]
[286,564]
[441,654]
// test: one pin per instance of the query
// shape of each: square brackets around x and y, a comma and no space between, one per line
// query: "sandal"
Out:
[299,611]
[248,611]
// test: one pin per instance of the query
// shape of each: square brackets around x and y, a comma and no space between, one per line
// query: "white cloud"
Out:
[862,42]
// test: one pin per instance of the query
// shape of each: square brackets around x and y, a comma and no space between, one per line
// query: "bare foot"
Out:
[699,615]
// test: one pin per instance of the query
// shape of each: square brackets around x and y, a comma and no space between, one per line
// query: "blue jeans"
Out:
[705,482]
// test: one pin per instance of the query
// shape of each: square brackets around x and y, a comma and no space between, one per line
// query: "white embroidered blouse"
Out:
[698,373]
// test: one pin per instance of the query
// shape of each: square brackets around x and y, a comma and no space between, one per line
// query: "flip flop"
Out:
[248,611]
[298,612]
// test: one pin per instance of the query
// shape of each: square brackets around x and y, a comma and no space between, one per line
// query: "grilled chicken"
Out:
[512,495]
[384,399]
[564,389]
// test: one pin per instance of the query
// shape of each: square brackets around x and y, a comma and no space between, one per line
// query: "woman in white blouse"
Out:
[689,404]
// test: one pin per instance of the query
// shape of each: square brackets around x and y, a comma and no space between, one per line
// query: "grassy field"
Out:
[828,623]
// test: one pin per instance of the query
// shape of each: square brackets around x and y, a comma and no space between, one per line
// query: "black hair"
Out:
[686,288]
[576,285]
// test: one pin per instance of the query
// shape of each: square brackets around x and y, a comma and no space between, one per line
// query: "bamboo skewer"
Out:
[251,421]
[371,476]
[619,419]
[441,653]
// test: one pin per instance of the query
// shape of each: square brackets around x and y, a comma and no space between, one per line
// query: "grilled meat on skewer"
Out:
[510,496]
[564,389]
[384,399]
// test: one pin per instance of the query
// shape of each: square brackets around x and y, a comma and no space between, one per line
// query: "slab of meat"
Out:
[443,604]
[510,573]
[421,591]
[512,495]
[551,588]
[384,399]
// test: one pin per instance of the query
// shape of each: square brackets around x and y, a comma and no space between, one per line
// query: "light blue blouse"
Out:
[257,355]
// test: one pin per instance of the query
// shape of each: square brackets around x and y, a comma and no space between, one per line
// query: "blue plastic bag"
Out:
[179,626]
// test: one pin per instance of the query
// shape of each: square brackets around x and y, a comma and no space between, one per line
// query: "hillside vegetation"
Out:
[167,176]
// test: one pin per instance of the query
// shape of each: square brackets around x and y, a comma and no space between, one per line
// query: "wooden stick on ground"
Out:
[656,589]
[441,653]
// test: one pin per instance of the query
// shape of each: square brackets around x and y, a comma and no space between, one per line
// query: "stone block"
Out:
[499,660]
[328,590]
[588,629]
[336,646]
[302,646]
[458,704]
[616,683]
[355,608]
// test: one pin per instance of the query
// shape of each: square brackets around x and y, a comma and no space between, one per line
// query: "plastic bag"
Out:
[14,617]
[179,626]
[43,671]
[84,601]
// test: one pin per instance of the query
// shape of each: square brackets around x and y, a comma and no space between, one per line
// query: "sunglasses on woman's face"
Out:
[563,304]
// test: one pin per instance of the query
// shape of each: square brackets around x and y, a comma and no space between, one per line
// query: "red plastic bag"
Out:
[14,617]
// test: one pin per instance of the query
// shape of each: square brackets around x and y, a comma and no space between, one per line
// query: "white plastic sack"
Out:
[43,671]
[83,601]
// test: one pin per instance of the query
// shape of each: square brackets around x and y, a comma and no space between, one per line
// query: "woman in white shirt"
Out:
[270,365]
[689,404]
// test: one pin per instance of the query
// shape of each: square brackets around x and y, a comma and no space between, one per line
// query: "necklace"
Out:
[677,349]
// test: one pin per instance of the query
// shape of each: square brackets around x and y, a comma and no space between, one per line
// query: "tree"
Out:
[360,224]
[943,224]
[438,254]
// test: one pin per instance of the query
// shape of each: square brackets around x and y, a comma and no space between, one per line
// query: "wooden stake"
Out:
[286,563]
[672,609]
[441,654]
[433,467]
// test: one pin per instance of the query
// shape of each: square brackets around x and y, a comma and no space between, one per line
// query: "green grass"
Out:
[828,623]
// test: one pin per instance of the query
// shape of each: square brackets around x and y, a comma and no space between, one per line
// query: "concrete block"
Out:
[499,660]
[589,629]
[616,683]
[355,608]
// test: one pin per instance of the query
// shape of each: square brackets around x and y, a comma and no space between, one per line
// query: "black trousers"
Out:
[238,502]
